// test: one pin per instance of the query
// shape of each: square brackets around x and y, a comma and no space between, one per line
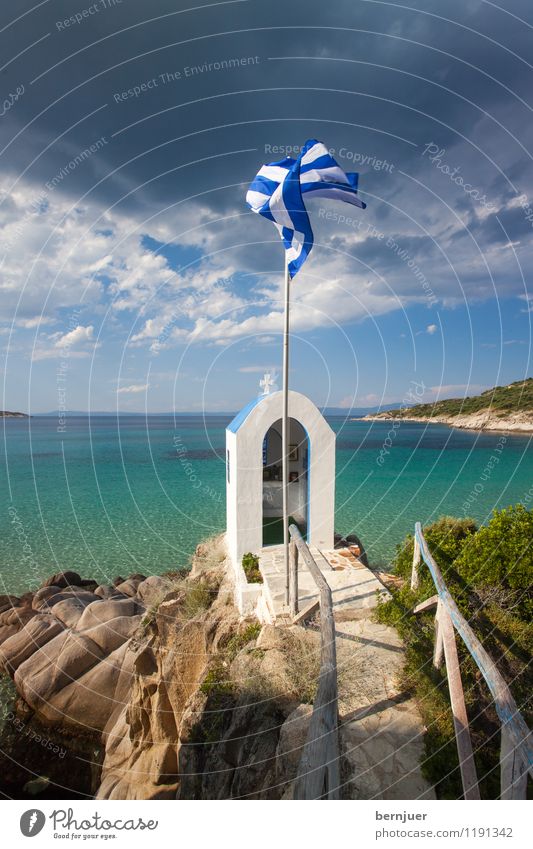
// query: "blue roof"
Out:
[235,424]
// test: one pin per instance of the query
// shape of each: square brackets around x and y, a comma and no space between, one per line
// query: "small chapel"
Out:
[254,502]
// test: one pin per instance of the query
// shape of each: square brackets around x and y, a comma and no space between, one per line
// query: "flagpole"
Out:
[285,434]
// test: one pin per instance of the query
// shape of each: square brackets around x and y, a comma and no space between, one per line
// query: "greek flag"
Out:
[277,194]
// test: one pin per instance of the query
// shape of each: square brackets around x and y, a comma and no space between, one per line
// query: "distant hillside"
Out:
[7,414]
[501,408]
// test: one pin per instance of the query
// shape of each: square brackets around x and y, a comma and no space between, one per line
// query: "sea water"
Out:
[107,496]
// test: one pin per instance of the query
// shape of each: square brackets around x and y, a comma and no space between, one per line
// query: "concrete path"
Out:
[381,733]
[353,586]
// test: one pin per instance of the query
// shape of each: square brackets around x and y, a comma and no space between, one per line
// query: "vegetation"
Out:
[198,598]
[503,400]
[250,564]
[486,571]
[220,690]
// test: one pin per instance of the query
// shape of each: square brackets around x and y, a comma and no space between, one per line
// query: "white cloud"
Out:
[133,388]
[79,335]
[257,369]
[431,329]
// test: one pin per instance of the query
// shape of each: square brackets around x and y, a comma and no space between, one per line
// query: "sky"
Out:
[134,277]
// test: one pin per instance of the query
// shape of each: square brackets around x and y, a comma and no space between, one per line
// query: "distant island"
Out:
[7,414]
[501,408]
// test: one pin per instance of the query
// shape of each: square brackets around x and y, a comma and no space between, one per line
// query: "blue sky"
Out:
[134,277]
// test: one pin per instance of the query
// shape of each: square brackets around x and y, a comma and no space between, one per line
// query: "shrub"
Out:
[486,573]
[240,640]
[198,598]
[501,555]
[250,564]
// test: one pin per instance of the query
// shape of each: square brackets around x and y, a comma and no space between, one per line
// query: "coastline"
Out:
[483,421]
[6,414]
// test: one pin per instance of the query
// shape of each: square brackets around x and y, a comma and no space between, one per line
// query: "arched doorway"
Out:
[298,495]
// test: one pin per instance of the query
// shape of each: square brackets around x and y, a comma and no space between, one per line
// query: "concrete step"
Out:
[353,586]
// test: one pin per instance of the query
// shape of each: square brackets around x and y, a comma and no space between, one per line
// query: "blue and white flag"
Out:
[277,194]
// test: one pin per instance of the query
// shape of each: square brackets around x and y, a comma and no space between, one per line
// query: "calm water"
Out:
[108,498]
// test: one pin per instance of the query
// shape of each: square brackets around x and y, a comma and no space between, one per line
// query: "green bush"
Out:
[197,599]
[501,555]
[486,572]
[250,564]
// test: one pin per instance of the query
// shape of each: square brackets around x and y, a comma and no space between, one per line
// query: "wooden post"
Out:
[438,651]
[504,703]
[460,718]
[293,588]
[513,769]
[414,570]
[318,774]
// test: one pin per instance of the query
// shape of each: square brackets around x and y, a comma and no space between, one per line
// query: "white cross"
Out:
[266,383]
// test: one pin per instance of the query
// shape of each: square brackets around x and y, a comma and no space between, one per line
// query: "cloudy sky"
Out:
[133,274]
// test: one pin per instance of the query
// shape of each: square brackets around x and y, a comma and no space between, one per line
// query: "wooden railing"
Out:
[318,772]
[516,754]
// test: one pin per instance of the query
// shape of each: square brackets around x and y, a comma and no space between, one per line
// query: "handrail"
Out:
[318,774]
[516,757]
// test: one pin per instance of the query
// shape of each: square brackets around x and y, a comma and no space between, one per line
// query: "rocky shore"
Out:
[7,414]
[481,420]
[151,688]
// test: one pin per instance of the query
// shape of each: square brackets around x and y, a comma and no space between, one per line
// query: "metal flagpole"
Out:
[285,434]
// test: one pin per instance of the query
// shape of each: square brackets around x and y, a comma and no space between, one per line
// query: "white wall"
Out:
[244,492]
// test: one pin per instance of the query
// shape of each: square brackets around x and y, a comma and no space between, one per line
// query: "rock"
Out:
[8,601]
[153,588]
[7,631]
[118,580]
[64,579]
[48,603]
[292,739]
[17,616]
[109,635]
[50,669]
[91,700]
[42,595]
[137,576]
[102,611]
[37,785]
[128,588]
[89,585]
[39,631]
[26,599]
[69,610]
[106,591]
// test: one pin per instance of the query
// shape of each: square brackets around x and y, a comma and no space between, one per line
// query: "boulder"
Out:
[153,588]
[47,603]
[40,629]
[109,635]
[106,591]
[17,616]
[60,662]
[102,611]
[128,588]
[7,631]
[43,595]
[8,601]
[91,700]
[69,610]
[63,579]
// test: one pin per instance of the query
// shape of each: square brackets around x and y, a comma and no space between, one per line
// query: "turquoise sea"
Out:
[109,496]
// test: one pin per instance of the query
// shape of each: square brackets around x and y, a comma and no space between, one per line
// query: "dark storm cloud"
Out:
[175,94]
[402,65]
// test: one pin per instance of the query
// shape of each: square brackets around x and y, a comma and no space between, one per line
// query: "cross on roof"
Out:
[266,383]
